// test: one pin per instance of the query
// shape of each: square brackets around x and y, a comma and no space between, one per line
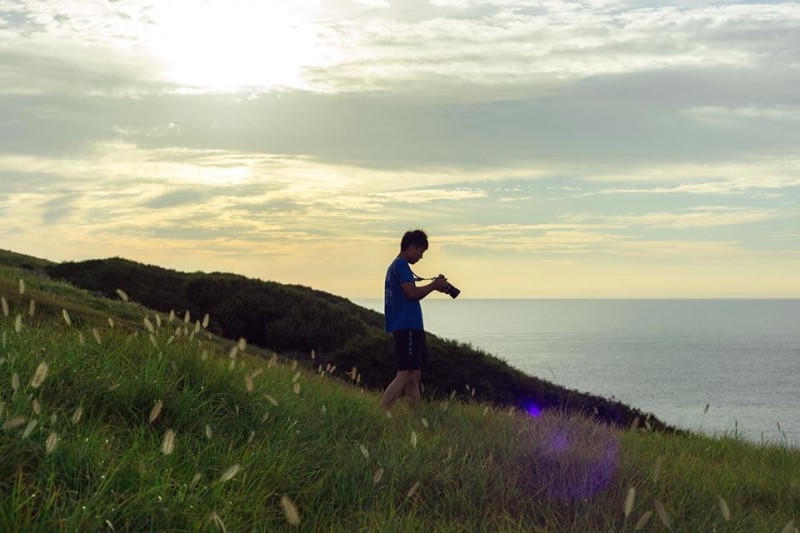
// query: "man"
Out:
[404,317]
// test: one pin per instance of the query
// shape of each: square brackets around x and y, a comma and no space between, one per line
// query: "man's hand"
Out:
[440,283]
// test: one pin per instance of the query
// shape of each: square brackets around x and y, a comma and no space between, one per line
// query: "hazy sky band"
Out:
[593,148]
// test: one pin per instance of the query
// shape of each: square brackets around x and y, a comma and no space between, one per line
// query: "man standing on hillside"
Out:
[404,317]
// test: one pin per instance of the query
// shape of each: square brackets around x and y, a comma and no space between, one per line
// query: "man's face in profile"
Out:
[415,254]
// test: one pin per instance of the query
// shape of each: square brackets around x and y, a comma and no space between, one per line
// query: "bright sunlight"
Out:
[230,45]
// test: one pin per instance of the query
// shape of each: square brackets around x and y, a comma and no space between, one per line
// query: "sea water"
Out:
[713,366]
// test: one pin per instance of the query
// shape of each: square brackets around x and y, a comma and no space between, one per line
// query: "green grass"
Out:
[319,442]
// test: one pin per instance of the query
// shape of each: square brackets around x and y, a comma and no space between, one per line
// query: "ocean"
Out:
[710,366]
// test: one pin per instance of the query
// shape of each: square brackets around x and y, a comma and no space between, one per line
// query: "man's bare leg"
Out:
[395,388]
[412,387]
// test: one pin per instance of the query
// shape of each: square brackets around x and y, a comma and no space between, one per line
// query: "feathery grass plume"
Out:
[29,429]
[248,383]
[37,407]
[364,451]
[296,388]
[81,339]
[195,480]
[271,400]
[485,410]
[122,295]
[209,433]
[32,308]
[313,354]
[296,377]
[645,518]
[5,338]
[21,286]
[96,335]
[76,416]
[14,422]
[196,327]
[218,522]
[153,340]
[413,490]
[156,410]
[5,306]
[187,317]
[242,344]
[724,509]
[149,325]
[40,375]
[425,423]
[294,365]
[229,474]
[290,511]
[353,373]
[18,324]
[51,443]
[53,418]
[413,438]
[257,373]
[324,409]
[657,469]
[171,316]
[111,322]
[233,352]
[378,476]
[14,381]
[168,446]
[206,320]
[158,320]
[629,500]
[662,514]
[66,317]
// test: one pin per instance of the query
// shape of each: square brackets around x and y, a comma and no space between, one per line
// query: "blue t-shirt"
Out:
[401,313]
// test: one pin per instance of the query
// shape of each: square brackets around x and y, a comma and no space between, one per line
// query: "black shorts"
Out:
[409,349]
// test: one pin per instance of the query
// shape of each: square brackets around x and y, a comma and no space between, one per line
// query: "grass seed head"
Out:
[22,286]
[149,325]
[724,509]
[297,388]
[32,308]
[187,317]
[51,443]
[76,416]
[378,476]
[209,433]
[122,295]
[271,400]
[194,482]
[364,451]
[218,522]
[290,511]
[242,344]
[156,410]
[6,310]
[66,317]
[168,446]
[206,320]
[96,335]
[14,381]
[111,322]
[29,429]
[40,375]
[229,474]
[18,324]
[14,423]
[37,407]
[629,499]
[645,518]
[413,438]
[413,490]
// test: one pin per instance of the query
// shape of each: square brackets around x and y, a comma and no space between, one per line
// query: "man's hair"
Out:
[415,237]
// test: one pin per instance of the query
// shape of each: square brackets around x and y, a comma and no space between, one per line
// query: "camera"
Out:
[451,290]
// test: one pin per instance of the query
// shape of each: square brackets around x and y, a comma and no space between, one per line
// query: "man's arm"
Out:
[413,292]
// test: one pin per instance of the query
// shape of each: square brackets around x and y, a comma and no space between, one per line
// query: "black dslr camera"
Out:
[451,290]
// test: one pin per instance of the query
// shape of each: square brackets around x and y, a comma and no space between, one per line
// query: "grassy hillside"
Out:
[116,427]
[295,320]
[111,422]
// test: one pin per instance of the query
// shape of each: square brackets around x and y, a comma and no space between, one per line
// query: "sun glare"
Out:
[228,45]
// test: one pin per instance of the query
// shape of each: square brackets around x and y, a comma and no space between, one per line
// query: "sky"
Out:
[550,149]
